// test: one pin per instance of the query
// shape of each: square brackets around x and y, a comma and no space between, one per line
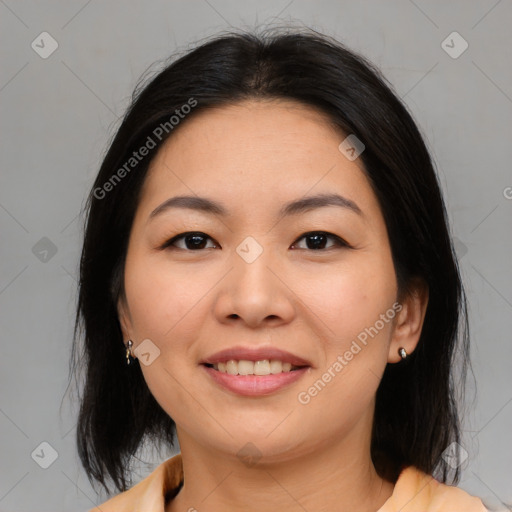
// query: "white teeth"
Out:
[262,367]
[244,367]
[276,366]
[231,367]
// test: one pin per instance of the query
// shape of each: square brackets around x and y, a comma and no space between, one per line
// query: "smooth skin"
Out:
[253,157]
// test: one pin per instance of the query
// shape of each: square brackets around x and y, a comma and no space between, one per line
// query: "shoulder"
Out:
[149,493]
[415,490]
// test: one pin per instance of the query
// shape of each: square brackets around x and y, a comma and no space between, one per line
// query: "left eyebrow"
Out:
[295,207]
[318,201]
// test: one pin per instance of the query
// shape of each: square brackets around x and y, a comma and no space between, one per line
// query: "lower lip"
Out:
[255,385]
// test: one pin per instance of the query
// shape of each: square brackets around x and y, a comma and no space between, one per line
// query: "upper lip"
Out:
[255,354]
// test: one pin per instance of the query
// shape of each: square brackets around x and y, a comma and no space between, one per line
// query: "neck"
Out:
[337,478]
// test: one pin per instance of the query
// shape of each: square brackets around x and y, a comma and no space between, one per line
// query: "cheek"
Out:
[350,297]
[164,305]
[357,306]
[161,296]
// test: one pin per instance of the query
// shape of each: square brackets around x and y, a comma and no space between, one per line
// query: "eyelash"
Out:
[338,241]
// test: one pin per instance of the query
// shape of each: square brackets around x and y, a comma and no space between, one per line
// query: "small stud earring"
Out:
[129,345]
[402,352]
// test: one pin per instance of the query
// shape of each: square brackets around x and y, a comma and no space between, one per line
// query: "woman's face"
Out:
[251,280]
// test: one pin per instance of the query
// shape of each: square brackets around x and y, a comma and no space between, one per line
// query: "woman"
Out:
[267,273]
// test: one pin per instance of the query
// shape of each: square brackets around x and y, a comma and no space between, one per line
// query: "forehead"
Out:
[256,152]
[252,128]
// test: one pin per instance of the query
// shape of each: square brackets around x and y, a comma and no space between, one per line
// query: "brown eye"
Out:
[317,240]
[196,241]
[191,241]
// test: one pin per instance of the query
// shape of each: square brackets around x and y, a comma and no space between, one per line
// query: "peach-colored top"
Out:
[414,491]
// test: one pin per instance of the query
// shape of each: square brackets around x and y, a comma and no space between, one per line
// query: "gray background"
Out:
[58,113]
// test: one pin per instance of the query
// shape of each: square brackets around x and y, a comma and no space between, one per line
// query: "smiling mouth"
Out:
[246,367]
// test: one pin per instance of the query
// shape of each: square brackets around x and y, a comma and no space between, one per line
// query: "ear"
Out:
[409,321]
[125,319]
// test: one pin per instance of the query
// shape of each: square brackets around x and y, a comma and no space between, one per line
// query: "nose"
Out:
[255,294]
